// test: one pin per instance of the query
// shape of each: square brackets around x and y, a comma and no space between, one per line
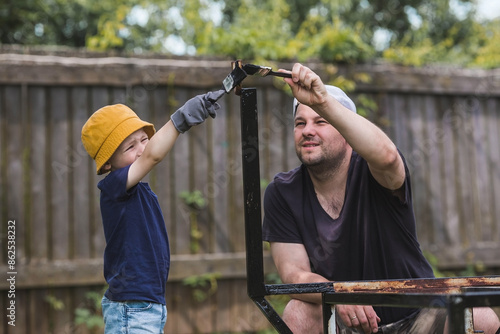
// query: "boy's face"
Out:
[128,151]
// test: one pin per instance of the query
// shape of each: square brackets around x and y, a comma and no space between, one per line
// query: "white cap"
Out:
[338,94]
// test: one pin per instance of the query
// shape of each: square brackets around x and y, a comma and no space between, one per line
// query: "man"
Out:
[345,214]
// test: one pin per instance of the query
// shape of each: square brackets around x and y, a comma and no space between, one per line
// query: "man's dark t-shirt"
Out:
[374,237]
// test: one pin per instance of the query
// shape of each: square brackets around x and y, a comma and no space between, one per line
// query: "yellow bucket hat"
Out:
[107,128]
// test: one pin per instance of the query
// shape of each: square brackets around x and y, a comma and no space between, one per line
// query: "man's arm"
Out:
[381,154]
[293,266]
[384,161]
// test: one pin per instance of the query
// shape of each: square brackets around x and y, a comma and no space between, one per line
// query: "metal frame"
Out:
[256,288]
[455,302]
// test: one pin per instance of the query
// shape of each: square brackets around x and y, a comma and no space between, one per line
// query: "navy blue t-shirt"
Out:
[374,237]
[137,254]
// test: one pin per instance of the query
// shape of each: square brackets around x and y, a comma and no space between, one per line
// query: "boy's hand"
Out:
[196,110]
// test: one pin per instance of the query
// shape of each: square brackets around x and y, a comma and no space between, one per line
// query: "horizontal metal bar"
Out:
[443,285]
[387,299]
[291,289]
[433,300]
[402,286]
[481,298]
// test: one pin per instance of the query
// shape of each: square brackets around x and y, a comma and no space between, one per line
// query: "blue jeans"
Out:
[133,317]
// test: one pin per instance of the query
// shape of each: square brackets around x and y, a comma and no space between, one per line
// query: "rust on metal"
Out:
[432,285]
[234,64]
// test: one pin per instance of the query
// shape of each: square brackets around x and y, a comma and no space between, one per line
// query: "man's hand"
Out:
[361,317]
[196,110]
[307,86]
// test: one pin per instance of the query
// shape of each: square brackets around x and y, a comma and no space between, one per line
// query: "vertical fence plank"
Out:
[219,179]
[180,162]
[417,161]
[211,224]
[99,97]
[475,145]
[432,141]
[39,169]
[162,170]
[23,316]
[449,191]
[223,312]
[481,149]
[38,308]
[170,206]
[185,319]
[59,174]
[201,152]
[235,186]
[272,134]
[397,113]
[78,161]
[492,107]
[464,169]
[15,154]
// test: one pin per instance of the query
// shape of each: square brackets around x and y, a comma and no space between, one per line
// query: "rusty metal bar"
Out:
[455,303]
[429,285]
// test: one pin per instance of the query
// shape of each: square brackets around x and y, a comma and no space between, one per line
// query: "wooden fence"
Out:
[446,123]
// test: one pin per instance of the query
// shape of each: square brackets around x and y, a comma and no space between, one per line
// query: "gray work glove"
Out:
[196,110]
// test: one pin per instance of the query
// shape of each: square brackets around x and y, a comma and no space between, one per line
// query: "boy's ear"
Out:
[106,167]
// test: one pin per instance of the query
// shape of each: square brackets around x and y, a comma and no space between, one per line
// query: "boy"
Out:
[137,255]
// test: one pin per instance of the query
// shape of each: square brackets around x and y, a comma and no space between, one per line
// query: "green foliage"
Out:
[194,201]
[90,314]
[203,286]
[421,49]
[417,32]
[109,26]
[245,38]
[54,302]
[331,42]
[433,261]
[263,184]
[57,22]
[487,55]
[472,268]
[85,317]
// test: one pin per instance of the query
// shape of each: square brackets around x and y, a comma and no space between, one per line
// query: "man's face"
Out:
[316,141]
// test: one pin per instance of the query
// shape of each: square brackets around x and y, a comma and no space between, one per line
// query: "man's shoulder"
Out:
[289,177]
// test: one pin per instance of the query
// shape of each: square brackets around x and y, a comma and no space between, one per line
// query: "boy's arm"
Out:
[158,147]
[193,112]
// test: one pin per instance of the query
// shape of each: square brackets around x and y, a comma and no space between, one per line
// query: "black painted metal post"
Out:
[456,317]
[251,190]
[253,229]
